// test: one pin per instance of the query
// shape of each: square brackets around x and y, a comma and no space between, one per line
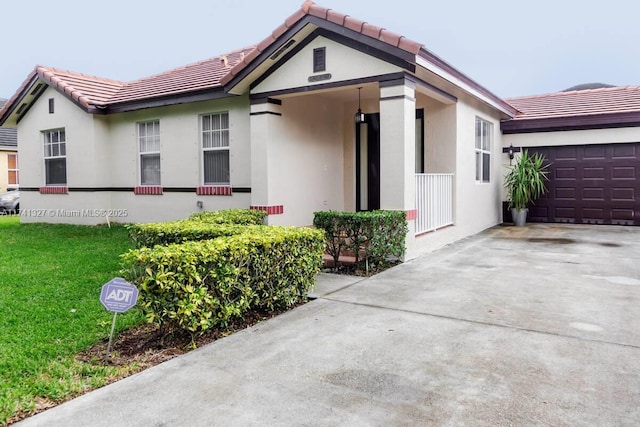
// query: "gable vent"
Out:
[283,48]
[319,59]
[21,109]
[36,89]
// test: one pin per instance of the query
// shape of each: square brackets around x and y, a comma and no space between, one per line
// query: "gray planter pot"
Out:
[519,216]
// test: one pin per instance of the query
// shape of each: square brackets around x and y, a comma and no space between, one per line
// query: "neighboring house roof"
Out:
[8,136]
[578,109]
[100,95]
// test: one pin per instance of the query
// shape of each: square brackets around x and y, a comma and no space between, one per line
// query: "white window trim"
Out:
[226,148]
[141,153]
[45,157]
[482,150]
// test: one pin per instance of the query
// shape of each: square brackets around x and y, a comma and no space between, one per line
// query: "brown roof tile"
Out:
[621,99]
[353,24]
[335,17]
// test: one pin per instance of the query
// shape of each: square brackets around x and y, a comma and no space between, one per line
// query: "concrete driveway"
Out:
[515,326]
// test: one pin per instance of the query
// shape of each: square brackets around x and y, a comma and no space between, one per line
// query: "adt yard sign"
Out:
[118,295]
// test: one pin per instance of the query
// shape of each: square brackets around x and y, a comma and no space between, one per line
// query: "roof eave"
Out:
[438,66]
[583,122]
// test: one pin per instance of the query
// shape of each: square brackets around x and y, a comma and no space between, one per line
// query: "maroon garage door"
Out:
[591,184]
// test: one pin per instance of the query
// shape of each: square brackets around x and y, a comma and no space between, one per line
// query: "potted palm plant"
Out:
[525,182]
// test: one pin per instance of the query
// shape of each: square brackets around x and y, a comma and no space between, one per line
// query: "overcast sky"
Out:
[512,48]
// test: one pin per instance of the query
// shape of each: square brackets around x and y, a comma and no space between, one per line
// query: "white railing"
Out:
[434,201]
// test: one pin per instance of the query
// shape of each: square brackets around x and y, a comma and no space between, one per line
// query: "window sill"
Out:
[148,190]
[57,189]
[214,190]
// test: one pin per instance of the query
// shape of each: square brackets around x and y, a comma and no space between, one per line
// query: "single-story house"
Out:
[8,157]
[328,112]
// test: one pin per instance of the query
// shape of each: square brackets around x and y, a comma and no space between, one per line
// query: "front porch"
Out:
[309,154]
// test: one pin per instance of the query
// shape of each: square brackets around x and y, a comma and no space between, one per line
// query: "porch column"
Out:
[265,114]
[397,152]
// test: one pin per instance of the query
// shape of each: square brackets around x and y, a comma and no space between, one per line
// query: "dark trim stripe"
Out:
[260,113]
[202,95]
[131,189]
[265,100]
[331,85]
[595,121]
[390,98]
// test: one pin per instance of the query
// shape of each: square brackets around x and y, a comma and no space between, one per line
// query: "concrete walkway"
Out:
[515,326]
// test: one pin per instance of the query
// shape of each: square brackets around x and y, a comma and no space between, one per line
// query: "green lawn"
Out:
[50,280]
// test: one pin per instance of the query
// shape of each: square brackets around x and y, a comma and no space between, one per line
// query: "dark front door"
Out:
[368,163]
[591,184]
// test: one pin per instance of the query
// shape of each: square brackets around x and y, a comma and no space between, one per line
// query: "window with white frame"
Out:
[12,167]
[149,146]
[215,148]
[55,157]
[483,150]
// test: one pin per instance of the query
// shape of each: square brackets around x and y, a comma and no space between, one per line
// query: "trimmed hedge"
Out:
[165,233]
[231,216]
[200,226]
[380,235]
[203,284]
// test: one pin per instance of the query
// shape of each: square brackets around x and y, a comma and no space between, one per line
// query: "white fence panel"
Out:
[434,201]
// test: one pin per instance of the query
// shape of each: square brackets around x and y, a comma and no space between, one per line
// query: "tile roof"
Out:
[90,91]
[202,75]
[8,136]
[621,99]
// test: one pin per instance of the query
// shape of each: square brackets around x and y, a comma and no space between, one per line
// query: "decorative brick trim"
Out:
[412,214]
[58,189]
[148,190]
[270,210]
[214,190]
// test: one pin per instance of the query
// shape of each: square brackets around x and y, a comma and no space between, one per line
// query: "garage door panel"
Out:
[565,153]
[593,173]
[594,152]
[591,184]
[565,193]
[593,193]
[565,173]
[623,172]
[623,195]
[623,214]
[564,214]
[625,151]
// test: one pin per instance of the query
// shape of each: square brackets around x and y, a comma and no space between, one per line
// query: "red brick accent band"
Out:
[270,210]
[412,214]
[62,189]
[213,190]
[148,190]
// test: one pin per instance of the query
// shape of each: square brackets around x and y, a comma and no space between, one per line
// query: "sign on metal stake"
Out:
[118,296]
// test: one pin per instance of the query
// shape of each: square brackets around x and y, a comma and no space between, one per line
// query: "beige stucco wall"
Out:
[342,63]
[477,206]
[305,158]
[180,144]
[102,152]
[79,128]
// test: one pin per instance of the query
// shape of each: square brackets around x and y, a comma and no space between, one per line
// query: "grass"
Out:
[50,280]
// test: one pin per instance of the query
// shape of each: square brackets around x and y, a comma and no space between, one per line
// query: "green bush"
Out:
[165,233]
[231,216]
[198,285]
[378,235]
